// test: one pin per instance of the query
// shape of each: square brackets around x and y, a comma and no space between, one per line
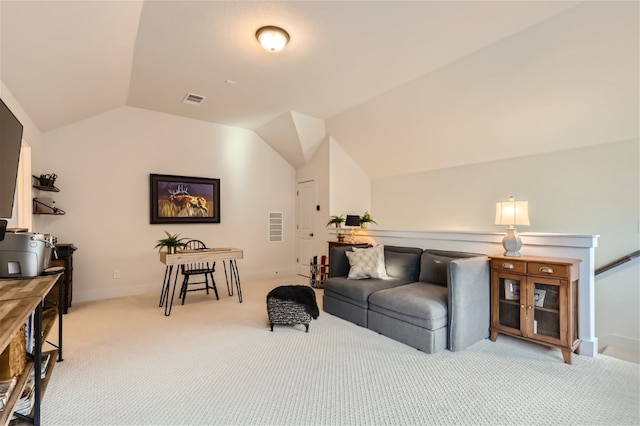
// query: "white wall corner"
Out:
[311,133]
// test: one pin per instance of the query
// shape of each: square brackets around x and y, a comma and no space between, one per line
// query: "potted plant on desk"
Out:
[171,242]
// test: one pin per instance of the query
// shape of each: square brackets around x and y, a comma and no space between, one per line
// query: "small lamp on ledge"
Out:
[354,222]
[512,213]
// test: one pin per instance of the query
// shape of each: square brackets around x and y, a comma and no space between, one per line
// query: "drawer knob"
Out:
[546,270]
[507,265]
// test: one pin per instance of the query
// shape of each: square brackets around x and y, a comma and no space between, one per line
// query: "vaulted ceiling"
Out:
[65,61]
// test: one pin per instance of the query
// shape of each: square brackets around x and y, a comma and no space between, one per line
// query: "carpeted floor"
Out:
[216,362]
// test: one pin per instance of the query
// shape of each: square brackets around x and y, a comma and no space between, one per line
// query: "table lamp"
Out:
[512,213]
[352,221]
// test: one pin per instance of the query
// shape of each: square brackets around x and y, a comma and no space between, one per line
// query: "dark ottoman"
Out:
[292,304]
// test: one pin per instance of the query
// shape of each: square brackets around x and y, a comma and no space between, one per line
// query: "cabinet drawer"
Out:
[548,269]
[508,265]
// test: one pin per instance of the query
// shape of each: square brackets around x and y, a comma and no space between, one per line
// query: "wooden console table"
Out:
[19,298]
[195,256]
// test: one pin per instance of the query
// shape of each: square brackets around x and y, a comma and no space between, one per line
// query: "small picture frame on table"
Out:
[511,289]
[538,297]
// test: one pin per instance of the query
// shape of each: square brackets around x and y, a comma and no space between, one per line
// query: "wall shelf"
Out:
[46,206]
[47,188]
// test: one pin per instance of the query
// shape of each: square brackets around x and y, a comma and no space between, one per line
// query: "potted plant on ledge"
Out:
[365,219]
[171,242]
[337,221]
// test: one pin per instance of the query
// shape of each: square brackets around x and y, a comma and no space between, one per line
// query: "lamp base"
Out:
[512,243]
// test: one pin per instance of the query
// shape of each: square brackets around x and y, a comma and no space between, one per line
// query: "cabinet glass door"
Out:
[546,307]
[509,294]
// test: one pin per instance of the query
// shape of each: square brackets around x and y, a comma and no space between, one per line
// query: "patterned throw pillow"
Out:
[365,263]
[379,250]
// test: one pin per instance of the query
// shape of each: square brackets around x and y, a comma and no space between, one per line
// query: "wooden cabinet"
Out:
[536,298]
[333,244]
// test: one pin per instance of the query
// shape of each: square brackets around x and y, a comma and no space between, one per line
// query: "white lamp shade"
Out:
[272,39]
[512,212]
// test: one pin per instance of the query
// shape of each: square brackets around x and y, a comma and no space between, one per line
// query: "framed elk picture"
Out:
[183,199]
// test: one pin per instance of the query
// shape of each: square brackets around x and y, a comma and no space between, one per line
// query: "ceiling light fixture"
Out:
[272,39]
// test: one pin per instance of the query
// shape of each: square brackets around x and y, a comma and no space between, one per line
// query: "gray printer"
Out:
[25,254]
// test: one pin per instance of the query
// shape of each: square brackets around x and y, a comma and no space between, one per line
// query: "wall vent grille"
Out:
[276,234]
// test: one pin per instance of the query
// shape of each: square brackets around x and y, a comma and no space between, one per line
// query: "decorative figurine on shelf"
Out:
[171,242]
[366,219]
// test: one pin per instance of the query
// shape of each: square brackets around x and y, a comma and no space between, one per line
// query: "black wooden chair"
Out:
[205,269]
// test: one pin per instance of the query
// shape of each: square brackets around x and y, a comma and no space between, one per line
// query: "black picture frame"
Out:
[184,199]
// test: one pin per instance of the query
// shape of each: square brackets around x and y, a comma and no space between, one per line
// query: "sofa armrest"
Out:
[469,301]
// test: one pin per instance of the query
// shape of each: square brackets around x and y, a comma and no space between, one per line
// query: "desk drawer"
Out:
[509,265]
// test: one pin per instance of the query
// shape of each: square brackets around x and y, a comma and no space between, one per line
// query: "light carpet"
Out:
[216,362]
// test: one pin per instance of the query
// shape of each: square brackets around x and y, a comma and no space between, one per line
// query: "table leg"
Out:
[165,285]
[235,275]
[60,312]
[226,277]
[37,363]
[168,305]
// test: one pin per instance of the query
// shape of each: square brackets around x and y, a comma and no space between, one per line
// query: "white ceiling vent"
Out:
[275,227]
[193,99]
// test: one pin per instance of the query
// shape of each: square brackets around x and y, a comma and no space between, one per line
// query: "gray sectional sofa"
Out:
[430,299]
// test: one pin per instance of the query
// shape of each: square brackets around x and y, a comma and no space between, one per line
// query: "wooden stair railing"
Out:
[618,262]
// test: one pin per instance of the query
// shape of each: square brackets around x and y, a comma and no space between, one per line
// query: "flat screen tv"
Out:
[10,143]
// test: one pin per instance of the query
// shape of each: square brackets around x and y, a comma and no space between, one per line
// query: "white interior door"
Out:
[306,205]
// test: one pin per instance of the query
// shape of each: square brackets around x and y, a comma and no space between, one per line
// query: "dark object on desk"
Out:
[205,269]
[62,256]
[3,228]
[292,304]
[53,270]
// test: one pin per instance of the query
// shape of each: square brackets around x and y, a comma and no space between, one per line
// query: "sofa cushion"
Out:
[363,264]
[357,291]
[434,264]
[402,262]
[378,250]
[421,304]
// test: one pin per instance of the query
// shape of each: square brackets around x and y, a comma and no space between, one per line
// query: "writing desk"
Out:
[194,256]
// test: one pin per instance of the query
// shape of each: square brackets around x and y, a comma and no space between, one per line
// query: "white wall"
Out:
[617,296]
[591,190]
[349,186]
[104,164]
